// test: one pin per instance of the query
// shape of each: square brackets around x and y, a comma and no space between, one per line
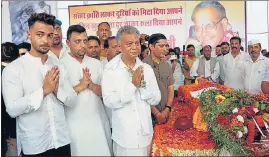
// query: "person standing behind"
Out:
[220,58]
[94,47]
[225,48]
[111,46]
[254,68]
[158,46]
[58,49]
[233,65]
[206,66]
[84,119]
[24,48]
[103,32]
[129,88]
[35,89]
[9,52]
[189,60]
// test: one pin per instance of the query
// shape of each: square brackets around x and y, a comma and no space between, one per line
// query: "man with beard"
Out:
[58,50]
[35,89]
[159,47]
[103,32]
[85,118]
[206,66]
[233,65]
[129,88]
[225,48]
[94,48]
[254,68]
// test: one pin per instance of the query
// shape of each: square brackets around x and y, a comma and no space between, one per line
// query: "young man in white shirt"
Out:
[255,67]
[206,66]
[129,88]
[35,89]
[233,65]
[58,49]
[87,120]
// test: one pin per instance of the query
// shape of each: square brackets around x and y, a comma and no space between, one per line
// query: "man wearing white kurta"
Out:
[206,66]
[233,65]
[254,68]
[90,136]
[35,89]
[129,88]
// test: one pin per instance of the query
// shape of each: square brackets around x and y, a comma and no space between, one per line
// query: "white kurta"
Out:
[87,121]
[214,75]
[233,68]
[131,114]
[40,120]
[254,73]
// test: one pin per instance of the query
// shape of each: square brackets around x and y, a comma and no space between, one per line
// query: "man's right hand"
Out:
[137,76]
[50,81]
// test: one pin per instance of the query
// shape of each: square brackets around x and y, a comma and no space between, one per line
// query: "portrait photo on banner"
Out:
[183,22]
[20,11]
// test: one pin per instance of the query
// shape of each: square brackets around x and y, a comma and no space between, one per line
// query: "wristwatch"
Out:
[168,108]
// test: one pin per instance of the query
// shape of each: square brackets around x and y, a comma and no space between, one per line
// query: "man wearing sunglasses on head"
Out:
[24,48]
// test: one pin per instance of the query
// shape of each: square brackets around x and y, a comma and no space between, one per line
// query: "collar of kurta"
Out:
[117,62]
[261,57]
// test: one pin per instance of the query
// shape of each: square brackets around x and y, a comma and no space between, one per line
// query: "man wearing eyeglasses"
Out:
[211,25]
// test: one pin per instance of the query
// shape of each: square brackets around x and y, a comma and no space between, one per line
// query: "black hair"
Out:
[42,17]
[143,48]
[236,38]
[190,45]
[75,28]
[103,23]
[154,38]
[94,38]
[218,46]
[25,45]
[9,52]
[106,42]
[225,43]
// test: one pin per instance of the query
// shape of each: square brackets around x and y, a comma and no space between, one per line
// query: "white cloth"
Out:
[40,121]
[233,68]
[120,151]
[178,76]
[63,53]
[131,113]
[222,73]
[87,121]
[214,75]
[108,110]
[254,73]
[266,75]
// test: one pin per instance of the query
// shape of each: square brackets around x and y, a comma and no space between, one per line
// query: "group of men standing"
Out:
[232,67]
[67,99]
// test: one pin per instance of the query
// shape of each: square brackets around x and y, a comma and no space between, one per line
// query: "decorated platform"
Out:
[209,119]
